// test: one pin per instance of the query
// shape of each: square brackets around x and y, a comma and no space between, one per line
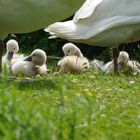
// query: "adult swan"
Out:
[102,23]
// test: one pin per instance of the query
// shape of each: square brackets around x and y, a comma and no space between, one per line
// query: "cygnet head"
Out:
[38,57]
[12,48]
[123,57]
[71,49]
[123,60]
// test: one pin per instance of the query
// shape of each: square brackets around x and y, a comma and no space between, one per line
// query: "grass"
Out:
[89,106]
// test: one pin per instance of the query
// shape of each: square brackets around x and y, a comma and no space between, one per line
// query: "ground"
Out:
[87,106]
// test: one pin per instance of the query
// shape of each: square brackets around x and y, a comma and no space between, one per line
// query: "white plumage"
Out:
[71,49]
[102,23]
[32,65]
[133,66]
[73,61]
[11,55]
[73,64]
[124,64]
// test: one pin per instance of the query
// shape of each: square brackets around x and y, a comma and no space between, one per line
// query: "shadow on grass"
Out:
[34,84]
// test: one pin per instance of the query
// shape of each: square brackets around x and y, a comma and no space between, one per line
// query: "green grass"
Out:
[89,106]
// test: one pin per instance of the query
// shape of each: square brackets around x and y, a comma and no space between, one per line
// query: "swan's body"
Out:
[102,23]
[32,65]
[27,16]
[28,69]
[73,64]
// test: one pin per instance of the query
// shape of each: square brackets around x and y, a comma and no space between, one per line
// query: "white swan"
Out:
[26,16]
[11,55]
[73,64]
[102,23]
[31,65]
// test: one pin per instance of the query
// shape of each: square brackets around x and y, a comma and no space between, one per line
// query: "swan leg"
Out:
[115,57]
[1,53]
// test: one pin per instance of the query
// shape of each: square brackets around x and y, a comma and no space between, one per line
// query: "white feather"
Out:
[34,67]
[102,23]
[12,46]
[73,64]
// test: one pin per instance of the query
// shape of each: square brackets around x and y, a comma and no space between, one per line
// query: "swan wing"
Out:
[86,10]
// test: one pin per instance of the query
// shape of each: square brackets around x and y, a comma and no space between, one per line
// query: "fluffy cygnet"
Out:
[124,63]
[134,66]
[73,64]
[73,61]
[12,48]
[31,65]
[71,49]
[123,59]
[127,64]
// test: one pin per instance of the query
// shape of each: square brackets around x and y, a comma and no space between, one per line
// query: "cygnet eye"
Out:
[68,51]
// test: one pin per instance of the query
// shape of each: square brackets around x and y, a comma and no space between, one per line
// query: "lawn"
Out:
[87,106]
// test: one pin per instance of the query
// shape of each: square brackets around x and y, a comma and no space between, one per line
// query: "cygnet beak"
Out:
[29,58]
[10,55]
